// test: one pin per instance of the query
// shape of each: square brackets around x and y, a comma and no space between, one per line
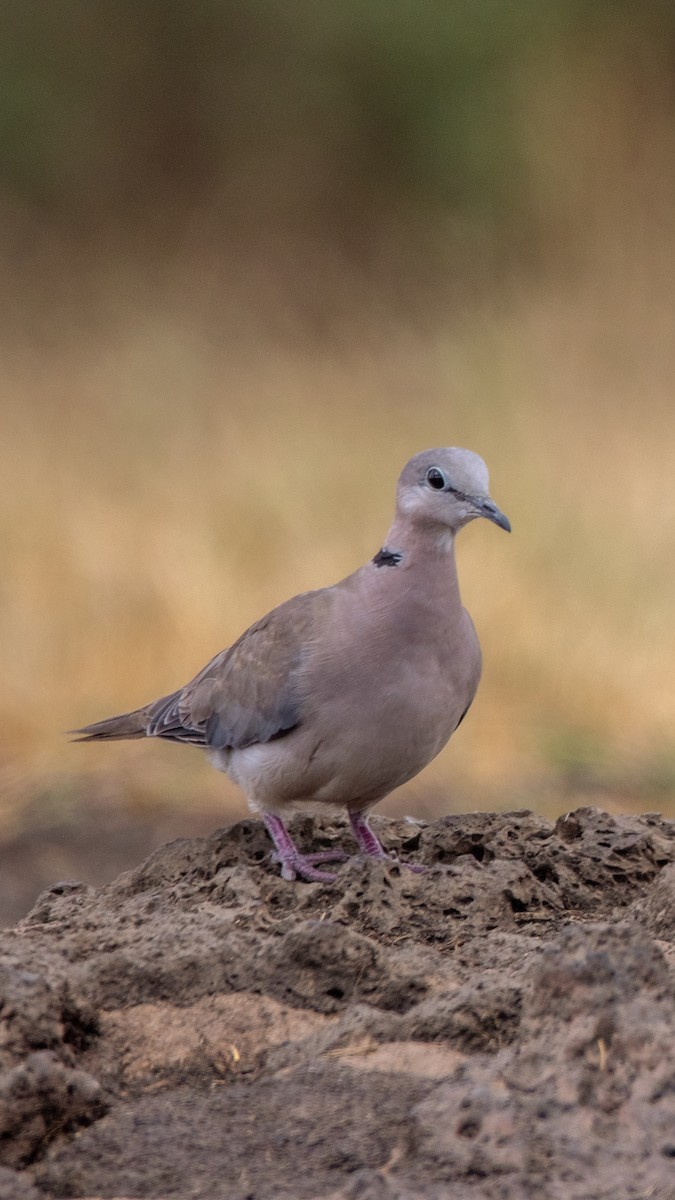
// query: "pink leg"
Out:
[370,844]
[365,836]
[293,863]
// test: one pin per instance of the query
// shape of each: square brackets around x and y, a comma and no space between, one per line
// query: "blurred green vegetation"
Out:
[338,114]
[252,257]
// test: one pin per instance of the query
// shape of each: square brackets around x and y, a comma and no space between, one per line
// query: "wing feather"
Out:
[249,693]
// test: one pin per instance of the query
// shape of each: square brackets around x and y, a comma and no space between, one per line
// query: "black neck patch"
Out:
[387,558]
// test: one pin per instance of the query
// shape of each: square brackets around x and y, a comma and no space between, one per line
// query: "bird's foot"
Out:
[295,865]
[322,856]
[416,868]
[371,846]
[304,865]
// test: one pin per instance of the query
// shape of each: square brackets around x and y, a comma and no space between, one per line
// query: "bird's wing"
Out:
[248,693]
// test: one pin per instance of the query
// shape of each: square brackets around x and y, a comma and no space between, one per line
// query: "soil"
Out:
[499,1027]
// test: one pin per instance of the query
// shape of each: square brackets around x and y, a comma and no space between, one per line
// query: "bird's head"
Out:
[447,487]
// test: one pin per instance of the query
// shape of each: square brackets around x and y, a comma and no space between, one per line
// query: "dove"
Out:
[342,694]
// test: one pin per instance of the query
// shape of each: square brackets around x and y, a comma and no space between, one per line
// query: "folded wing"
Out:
[249,693]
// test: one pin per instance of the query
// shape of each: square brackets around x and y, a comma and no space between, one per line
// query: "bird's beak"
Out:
[487,508]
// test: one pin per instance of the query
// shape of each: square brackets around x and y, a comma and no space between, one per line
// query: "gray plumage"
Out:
[342,694]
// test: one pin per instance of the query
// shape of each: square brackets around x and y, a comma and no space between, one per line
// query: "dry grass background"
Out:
[184,445]
[167,490]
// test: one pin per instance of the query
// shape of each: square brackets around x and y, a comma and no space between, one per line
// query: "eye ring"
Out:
[436,479]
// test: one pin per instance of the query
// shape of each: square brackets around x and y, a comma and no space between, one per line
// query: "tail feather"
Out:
[127,725]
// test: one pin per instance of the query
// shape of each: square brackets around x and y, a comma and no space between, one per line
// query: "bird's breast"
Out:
[378,697]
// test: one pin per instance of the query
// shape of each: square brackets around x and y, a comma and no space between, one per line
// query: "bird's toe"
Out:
[305,869]
[303,866]
[322,856]
[416,868]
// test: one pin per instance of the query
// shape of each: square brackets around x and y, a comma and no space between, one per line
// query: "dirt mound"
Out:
[498,1027]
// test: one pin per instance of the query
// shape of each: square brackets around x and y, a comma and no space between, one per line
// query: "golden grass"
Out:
[188,455]
[161,489]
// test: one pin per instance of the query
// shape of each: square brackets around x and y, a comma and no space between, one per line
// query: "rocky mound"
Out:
[501,1026]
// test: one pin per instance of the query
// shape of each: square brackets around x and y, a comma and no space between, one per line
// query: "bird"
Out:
[342,694]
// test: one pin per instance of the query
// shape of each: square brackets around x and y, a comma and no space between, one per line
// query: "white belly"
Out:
[346,758]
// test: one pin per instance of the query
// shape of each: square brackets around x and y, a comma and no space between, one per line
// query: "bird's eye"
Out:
[436,478]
